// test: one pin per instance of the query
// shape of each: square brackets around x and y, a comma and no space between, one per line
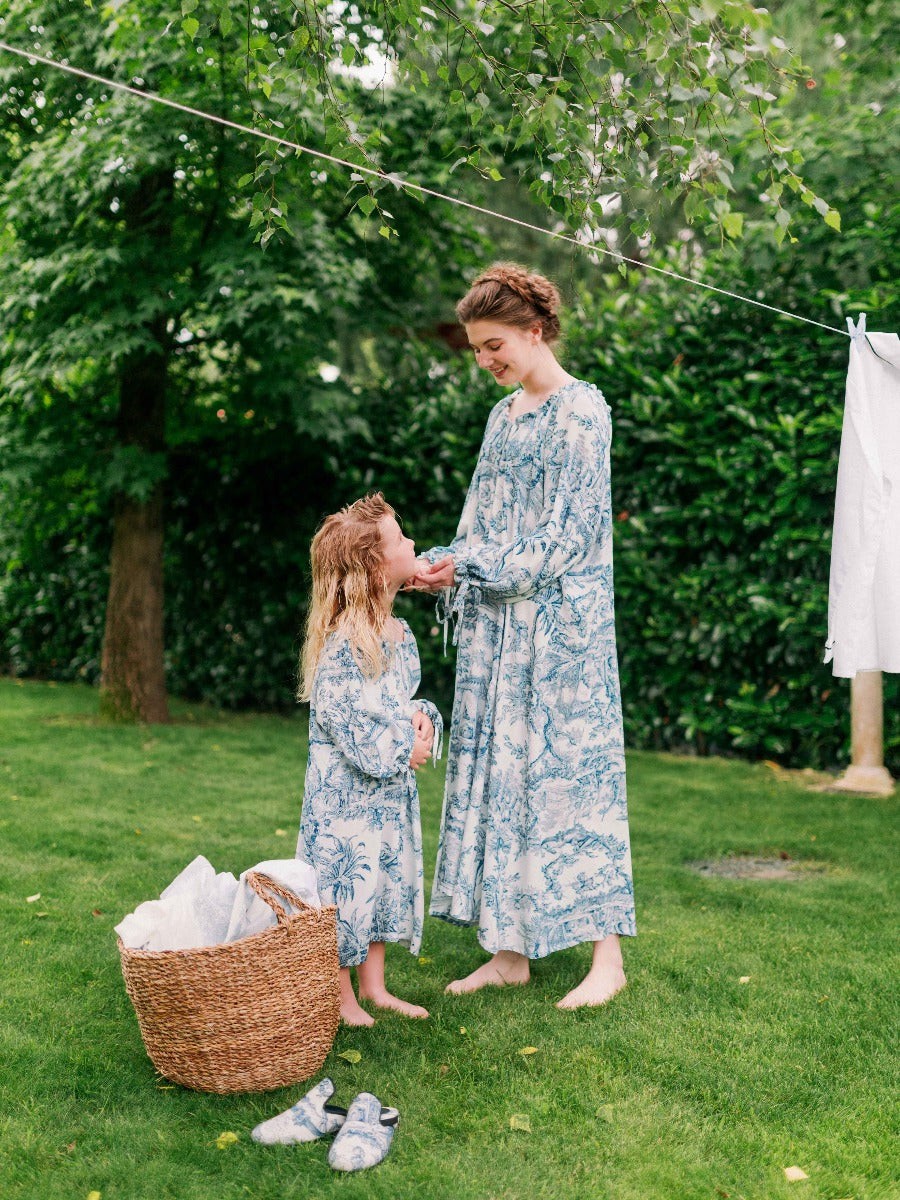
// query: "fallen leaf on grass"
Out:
[463,1030]
[443,1069]
[42,914]
[31,899]
[281,833]
[424,960]
[521,1122]
[794,1174]
[93,1196]
[224,1140]
[605,1112]
[744,979]
[96,912]
[528,1050]
[350,1056]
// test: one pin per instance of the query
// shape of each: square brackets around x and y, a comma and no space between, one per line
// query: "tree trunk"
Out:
[132,674]
[132,682]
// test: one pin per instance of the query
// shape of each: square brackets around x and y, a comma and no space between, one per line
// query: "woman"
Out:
[534,845]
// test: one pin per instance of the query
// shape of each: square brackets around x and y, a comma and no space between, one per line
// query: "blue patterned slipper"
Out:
[309,1119]
[365,1136]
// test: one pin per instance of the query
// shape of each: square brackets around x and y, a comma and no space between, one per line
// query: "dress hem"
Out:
[588,931]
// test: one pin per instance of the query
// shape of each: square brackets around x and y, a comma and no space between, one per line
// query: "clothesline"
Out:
[402,183]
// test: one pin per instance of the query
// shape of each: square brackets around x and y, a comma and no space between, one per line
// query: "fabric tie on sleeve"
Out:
[451,603]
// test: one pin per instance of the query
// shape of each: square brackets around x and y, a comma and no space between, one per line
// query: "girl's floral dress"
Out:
[360,825]
[534,845]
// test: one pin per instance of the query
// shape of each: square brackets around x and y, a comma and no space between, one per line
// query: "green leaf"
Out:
[366,204]
[351,1056]
[520,1121]
[733,224]
[833,219]
[191,26]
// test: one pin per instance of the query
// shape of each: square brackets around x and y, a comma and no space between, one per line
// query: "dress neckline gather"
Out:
[543,404]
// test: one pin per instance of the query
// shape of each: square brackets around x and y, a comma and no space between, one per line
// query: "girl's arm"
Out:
[578,506]
[348,709]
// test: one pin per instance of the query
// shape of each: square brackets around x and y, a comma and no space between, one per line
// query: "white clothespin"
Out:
[859,330]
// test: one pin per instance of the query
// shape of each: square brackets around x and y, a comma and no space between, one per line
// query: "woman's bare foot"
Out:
[599,985]
[352,1014]
[505,968]
[605,978]
[385,999]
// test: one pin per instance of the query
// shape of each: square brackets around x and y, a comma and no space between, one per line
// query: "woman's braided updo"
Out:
[511,295]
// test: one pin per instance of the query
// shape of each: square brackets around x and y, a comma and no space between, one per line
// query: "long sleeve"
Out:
[578,503]
[351,712]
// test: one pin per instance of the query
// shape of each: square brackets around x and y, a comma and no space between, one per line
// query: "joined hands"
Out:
[432,577]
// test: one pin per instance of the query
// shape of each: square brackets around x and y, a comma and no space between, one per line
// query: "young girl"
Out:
[360,824]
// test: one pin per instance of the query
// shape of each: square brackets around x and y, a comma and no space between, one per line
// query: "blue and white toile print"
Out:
[360,826]
[534,845]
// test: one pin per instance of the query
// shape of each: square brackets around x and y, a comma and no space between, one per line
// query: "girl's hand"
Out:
[434,577]
[421,752]
[423,727]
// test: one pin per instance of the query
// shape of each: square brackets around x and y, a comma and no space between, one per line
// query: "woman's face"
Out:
[506,351]
[398,553]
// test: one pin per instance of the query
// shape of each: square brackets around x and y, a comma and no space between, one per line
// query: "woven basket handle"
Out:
[265,886]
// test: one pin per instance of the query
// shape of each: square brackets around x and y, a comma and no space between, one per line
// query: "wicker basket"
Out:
[247,1016]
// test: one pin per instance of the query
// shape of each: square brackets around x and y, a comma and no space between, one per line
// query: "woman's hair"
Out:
[347,585]
[511,295]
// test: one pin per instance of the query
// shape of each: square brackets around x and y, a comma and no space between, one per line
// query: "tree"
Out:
[134,239]
[136,289]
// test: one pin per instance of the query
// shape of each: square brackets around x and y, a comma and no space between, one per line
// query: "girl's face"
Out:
[509,353]
[398,553]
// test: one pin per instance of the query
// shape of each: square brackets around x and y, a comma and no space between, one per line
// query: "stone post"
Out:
[867,772]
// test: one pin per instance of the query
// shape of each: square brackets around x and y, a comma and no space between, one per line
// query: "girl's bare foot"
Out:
[605,978]
[505,968]
[385,999]
[352,1014]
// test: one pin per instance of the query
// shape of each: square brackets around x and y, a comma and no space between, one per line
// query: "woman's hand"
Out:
[434,577]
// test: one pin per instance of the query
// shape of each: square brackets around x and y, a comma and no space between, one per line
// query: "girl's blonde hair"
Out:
[347,585]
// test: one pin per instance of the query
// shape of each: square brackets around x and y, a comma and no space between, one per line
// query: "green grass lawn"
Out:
[689,1084]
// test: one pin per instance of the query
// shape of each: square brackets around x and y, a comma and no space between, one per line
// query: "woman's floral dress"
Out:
[534,845]
[360,825]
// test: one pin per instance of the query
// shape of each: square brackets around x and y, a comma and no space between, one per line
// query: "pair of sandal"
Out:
[364,1131]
